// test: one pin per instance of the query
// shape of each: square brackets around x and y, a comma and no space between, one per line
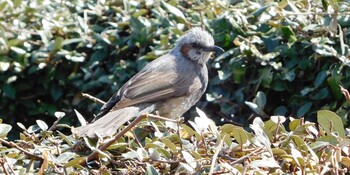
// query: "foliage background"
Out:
[282,58]
[294,52]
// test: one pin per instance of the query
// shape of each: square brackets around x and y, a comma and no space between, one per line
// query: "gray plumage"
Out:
[170,85]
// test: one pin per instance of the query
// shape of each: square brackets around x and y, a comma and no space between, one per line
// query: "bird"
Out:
[168,86]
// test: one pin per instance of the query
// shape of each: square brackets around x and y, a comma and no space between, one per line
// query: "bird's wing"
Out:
[108,105]
[159,80]
[154,86]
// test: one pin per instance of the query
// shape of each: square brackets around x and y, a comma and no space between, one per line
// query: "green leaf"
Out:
[290,76]
[56,92]
[21,126]
[75,58]
[280,110]
[58,43]
[155,144]
[189,159]
[299,143]
[279,152]
[304,109]
[330,122]
[264,164]
[240,135]
[139,13]
[98,55]
[75,162]
[321,77]
[18,51]
[224,74]
[175,11]
[4,66]
[294,124]
[261,137]
[334,82]
[185,168]
[65,157]
[288,32]
[325,4]
[266,76]
[154,154]
[329,139]
[130,155]
[298,158]
[318,144]
[321,94]
[33,129]
[278,119]
[43,126]
[9,91]
[254,107]
[228,128]
[142,154]
[80,118]
[164,152]
[260,11]
[306,90]
[169,144]
[4,130]
[150,170]
[59,114]
[261,99]
[17,3]
[325,50]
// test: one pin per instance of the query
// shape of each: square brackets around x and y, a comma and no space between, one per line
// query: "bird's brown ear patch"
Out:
[185,49]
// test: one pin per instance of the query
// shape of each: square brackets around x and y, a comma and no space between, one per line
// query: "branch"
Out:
[54,125]
[215,157]
[93,98]
[13,145]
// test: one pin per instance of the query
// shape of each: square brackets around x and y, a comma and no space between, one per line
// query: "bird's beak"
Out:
[218,50]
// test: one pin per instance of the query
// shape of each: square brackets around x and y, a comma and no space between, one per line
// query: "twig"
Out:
[13,145]
[248,155]
[137,139]
[2,162]
[93,98]
[205,144]
[215,157]
[278,126]
[54,125]
[345,93]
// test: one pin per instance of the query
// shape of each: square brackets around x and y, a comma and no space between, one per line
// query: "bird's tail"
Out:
[108,124]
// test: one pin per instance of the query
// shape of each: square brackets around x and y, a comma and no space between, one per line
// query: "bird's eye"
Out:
[195,45]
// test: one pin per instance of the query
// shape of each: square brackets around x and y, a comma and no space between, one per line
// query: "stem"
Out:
[93,98]
[215,157]
[13,145]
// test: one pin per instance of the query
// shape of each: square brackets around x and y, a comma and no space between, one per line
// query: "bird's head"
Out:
[197,45]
